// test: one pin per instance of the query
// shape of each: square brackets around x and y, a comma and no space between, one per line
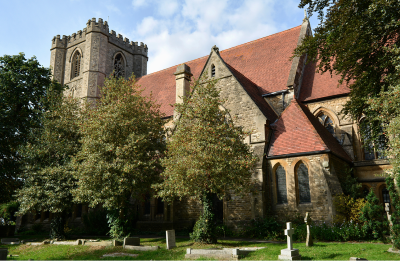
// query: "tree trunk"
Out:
[204,230]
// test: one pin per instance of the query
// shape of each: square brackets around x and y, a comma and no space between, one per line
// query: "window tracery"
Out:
[327,122]
[119,66]
[76,65]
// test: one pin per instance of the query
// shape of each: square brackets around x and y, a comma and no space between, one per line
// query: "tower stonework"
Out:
[83,60]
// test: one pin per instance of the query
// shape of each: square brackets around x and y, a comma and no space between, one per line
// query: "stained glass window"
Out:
[327,122]
[280,175]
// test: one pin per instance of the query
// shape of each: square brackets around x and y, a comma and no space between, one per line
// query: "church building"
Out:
[305,146]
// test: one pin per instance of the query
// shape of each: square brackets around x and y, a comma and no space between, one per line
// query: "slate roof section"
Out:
[317,86]
[264,62]
[298,131]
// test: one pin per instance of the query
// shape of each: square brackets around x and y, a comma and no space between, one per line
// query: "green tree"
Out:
[358,40]
[47,168]
[23,84]
[373,224]
[205,156]
[122,140]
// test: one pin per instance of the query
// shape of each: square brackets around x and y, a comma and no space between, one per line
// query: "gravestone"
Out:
[10,241]
[3,253]
[307,220]
[289,253]
[131,241]
[171,243]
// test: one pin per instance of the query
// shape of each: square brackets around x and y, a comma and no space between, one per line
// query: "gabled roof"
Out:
[264,62]
[298,131]
[316,85]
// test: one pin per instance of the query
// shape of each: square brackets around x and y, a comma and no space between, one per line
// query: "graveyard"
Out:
[171,247]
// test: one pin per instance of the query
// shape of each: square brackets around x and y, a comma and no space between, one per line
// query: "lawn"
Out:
[320,251]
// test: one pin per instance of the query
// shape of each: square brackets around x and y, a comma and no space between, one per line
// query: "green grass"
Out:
[320,251]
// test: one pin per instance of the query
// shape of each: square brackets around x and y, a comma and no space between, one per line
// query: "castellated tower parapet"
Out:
[82,60]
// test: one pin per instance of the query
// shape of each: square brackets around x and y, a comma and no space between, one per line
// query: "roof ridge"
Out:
[231,48]
[275,34]
[173,66]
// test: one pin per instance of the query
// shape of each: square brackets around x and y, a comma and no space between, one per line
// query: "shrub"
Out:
[96,222]
[7,211]
[373,224]
[267,228]
[348,209]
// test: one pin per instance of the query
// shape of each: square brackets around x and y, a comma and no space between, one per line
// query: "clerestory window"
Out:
[76,65]
[373,150]
[327,122]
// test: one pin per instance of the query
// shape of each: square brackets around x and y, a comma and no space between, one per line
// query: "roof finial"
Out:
[215,48]
[305,16]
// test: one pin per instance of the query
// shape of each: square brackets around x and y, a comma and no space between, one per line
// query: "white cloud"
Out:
[187,30]
[167,8]
[140,3]
[113,8]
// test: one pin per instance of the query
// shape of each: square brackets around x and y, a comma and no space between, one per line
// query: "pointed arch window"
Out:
[119,66]
[303,184]
[76,64]
[213,70]
[327,122]
[373,150]
[280,177]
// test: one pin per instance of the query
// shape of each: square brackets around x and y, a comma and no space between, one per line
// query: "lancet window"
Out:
[119,66]
[280,177]
[327,122]
[303,184]
[76,64]
[213,70]
[373,150]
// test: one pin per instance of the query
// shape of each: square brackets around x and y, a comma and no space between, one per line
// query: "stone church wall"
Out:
[324,185]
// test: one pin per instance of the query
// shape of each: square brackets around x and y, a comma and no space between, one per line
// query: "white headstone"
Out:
[289,253]
[171,243]
[289,232]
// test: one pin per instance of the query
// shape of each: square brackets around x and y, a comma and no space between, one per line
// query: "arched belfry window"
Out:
[76,64]
[303,184]
[327,122]
[119,66]
[281,192]
[213,70]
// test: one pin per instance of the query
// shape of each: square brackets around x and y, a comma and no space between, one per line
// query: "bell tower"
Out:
[83,60]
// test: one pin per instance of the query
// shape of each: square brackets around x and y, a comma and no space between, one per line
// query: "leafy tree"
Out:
[205,156]
[47,162]
[121,145]
[23,84]
[374,226]
[359,41]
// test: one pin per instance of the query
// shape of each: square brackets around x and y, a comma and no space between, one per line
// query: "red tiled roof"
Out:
[298,131]
[317,85]
[264,62]
[254,93]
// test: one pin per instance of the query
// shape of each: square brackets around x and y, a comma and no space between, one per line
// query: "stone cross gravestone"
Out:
[171,243]
[289,253]
[307,220]
[387,209]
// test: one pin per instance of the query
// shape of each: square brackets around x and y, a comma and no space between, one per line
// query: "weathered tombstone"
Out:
[10,241]
[3,253]
[131,241]
[171,243]
[307,220]
[289,253]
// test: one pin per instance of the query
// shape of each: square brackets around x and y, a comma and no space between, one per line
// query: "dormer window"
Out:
[119,66]
[212,70]
[76,65]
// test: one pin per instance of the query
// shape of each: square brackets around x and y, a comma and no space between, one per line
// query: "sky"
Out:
[175,31]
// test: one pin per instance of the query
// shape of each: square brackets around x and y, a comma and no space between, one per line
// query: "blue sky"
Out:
[175,31]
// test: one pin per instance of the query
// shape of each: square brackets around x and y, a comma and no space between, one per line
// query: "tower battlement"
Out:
[99,26]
